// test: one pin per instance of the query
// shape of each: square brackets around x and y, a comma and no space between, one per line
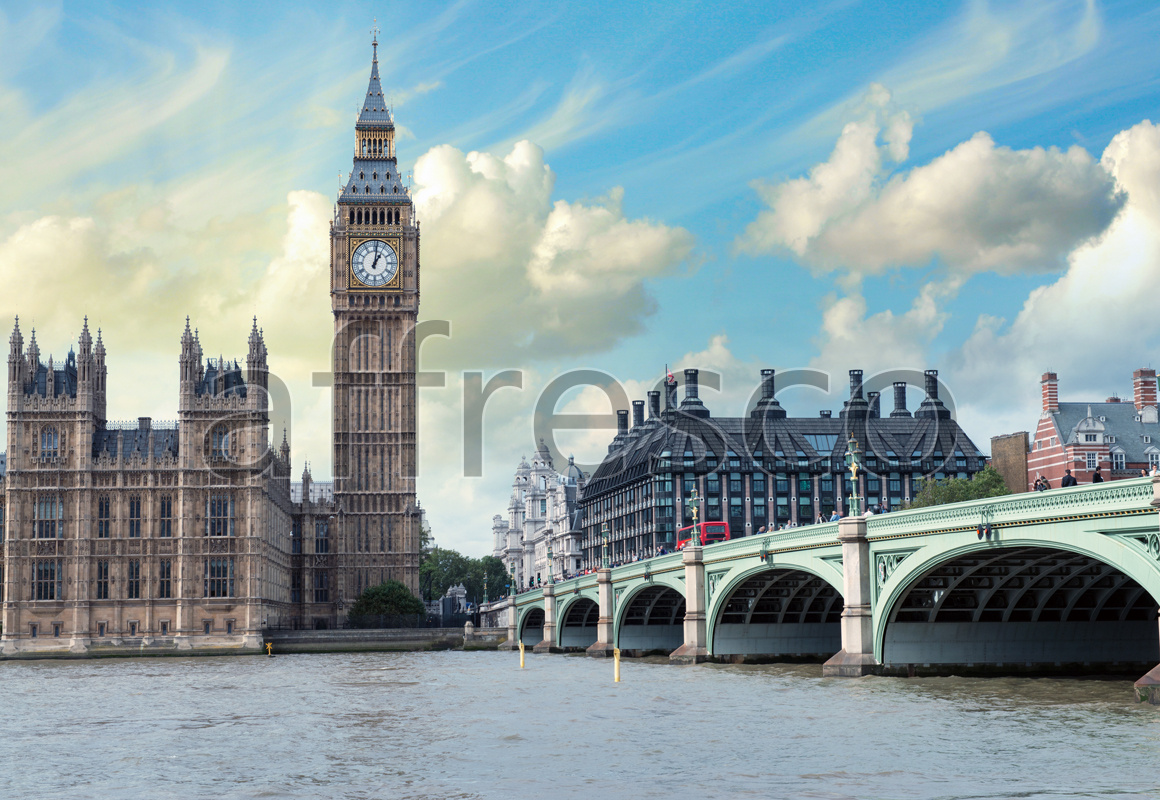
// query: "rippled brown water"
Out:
[473,725]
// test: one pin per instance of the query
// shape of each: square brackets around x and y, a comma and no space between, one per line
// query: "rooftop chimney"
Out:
[621,431]
[692,404]
[767,406]
[825,413]
[873,399]
[1144,388]
[144,423]
[637,413]
[1049,388]
[856,406]
[899,401]
[654,405]
[1114,399]
[932,407]
[855,384]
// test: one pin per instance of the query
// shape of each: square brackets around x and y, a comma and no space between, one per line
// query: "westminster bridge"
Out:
[1062,580]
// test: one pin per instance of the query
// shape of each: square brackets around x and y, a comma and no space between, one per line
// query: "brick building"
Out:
[1117,437]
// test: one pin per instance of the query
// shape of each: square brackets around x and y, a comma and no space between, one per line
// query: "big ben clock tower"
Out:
[374,291]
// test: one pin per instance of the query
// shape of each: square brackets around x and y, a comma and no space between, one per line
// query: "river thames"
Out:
[473,725]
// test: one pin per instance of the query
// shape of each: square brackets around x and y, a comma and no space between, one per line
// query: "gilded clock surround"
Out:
[394,284]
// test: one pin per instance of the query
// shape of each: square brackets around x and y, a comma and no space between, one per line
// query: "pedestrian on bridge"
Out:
[1068,479]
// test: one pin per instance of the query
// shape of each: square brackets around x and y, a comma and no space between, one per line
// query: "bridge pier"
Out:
[605,636]
[548,644]
[512,642]
[856,658]
[695,649]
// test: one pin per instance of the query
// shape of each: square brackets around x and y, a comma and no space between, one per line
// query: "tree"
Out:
[441,570]
[987,483]
[391,599]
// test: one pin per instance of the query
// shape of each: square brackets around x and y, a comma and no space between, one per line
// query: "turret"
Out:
[33,357]
[100,376]
[17,367]
[85,364]
[256,367]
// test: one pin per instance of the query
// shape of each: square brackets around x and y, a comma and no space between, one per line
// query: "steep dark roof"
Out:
[64,379]
[222,378]
[783,443]
[1119,420]
[136,440]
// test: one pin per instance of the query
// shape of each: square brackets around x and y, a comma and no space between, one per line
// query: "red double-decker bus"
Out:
[711,532]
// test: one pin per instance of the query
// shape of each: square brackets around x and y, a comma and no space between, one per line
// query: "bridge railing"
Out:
[1023,507]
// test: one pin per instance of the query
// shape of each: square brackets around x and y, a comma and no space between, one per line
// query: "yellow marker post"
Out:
[270,649]
[521,655]
[616,665]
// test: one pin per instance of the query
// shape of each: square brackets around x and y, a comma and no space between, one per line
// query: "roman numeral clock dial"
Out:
[374,263]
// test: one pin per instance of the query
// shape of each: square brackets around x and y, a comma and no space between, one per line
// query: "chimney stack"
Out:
[899,400]
[873,399]
[931,407]
[855,384]
[1144,388]
[637,413]
[1049,388]
[654,405]
[767,406]
[692,404]
[621,422]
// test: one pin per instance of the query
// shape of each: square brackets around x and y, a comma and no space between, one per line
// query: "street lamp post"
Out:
[485,590]
[695,502]
[854,464]
[604,546]
[550,581]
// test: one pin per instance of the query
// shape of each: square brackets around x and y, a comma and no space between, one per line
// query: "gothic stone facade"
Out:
[190,534]
[543,512]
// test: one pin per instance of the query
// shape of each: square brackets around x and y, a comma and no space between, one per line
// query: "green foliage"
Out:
[388,598]
[987,483]
[443,568]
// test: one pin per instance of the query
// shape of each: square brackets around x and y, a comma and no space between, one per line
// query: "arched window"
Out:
[362,176]
[49,442]
[219,442]
[354,189]
[360,216]
[382,190]
[352,216]
[374,176]
[368,189]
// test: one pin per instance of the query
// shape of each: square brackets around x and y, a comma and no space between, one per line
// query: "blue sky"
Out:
[837,185]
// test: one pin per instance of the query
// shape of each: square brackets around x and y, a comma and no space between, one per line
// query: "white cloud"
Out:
[522,277]
[1097,322]
[978,207]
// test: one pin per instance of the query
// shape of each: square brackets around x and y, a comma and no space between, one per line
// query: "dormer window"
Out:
[361,176]
[374,176]
[354,190]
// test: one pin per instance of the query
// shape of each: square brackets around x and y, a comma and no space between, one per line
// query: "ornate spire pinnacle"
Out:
[86,341]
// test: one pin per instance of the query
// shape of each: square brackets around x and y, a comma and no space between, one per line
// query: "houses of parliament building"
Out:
[190,534]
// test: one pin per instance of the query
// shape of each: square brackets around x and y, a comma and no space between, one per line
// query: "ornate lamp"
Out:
[854,464]
[695,502]
[604,546]
[550,581]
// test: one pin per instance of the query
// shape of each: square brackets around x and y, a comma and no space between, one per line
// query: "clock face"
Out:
[374,263]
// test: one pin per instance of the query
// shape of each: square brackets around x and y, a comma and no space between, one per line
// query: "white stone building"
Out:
[543,511]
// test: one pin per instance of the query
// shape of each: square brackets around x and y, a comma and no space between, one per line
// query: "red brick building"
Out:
[1118,437]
